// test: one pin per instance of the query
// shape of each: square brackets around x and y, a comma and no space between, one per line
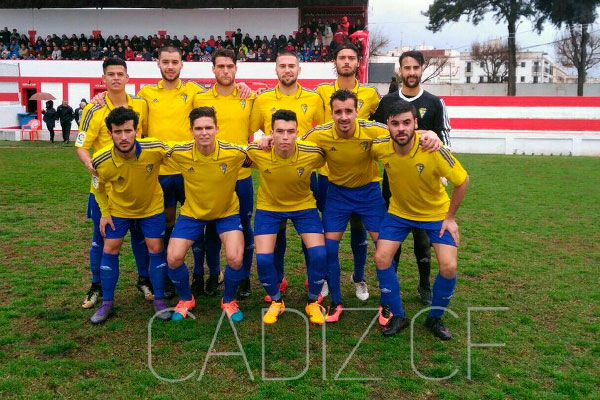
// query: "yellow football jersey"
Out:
[135,191]
[209,181]
[284,183]
[417,192]
[168,113]
[233,117]
[307,105]
[350,163]
[92,128]
[368,98]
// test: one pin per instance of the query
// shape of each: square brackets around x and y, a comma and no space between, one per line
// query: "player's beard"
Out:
[288,83]
[126,151]
[411,85]
[165,78]
[224,83]
[404,143]
[346,73]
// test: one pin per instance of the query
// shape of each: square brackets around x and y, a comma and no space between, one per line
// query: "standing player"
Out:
[131,168]
[431,115]
[93,133]
[309,110]
[210,171]
[346,60]
[419,200]
[284,193]
[233,113]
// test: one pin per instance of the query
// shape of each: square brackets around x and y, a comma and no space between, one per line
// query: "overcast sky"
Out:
[402,22]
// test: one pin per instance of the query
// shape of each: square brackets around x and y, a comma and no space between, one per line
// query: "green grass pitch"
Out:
[529,242]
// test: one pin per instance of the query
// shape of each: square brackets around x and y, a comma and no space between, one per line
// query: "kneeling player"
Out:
[131,168]
[210,169]
[418,200]
[284,193]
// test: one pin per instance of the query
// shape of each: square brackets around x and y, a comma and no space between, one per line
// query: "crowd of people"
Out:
[314,41]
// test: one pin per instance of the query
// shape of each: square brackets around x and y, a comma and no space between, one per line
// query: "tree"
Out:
[378,42]
[493,56]
[577,46]
[433,66]
[442,12]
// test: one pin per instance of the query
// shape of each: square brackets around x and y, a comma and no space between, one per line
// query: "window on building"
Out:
[482,64]
[535,79]
[468,79]
[469,67]
[522,64]
[481,79]
[522,79]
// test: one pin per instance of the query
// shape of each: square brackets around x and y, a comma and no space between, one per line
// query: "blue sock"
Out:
[317,271]
[96,254]
[232,281]
[442,292]
[248,247]
[390,290]
[212,245]
[140,250]
[180,278]
[359,245]
[198,252]
[267,274]
[333,270]
[279,253]
[158,273]
[109,275]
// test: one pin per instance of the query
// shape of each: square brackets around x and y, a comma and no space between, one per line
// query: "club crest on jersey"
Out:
[365,146]
[332,149]
[267,171]
[386,165]
[121,179]
[300,171]
[149,167]
[243,103]
[422,111]
[191,169]
[223,167]
[420,168]
[360,104]
[304,108]
[184,97]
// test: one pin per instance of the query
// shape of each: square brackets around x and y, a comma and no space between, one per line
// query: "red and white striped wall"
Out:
[525,125]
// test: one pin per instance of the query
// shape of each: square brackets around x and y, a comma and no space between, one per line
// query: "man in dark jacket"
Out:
[50,118]
[65,115]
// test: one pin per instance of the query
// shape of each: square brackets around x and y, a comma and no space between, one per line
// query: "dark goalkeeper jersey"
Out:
[431,112]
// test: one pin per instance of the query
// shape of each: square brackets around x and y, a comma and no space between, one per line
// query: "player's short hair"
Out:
[343,95]
[417,55]
[119,116]
[400,107]
[228,53]
[113,61]
[346,46]
[200,112]
[170,49]
[286,53]
[284,115]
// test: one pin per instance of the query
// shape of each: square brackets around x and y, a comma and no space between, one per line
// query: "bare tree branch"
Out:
[579,49]
[377,43]
[434,65]
[493,56]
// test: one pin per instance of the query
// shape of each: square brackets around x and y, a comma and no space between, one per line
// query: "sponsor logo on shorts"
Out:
[95,182]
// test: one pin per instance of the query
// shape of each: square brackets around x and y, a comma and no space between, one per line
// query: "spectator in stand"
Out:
[271,56]
[251,56]
[218,42]
[345,26]
[237,38]
[292,41]
[261,56]
[359,26]
[321,25]
[273,43]
[194,41]
[23,51]
[248,41]
[5,36]
[146,56]
[76,55]
[208,48]
[207,57]
[211,41]
[241,55]
[244,48]
[300,36]
[129,54]
[308,36]
[176,42]
[257,42]
[56,53]
[228,44]
[95,54]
